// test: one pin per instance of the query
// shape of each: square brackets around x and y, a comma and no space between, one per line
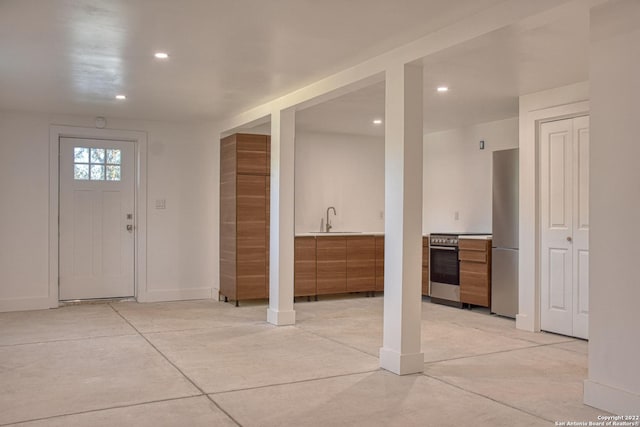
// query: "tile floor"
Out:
[208,363]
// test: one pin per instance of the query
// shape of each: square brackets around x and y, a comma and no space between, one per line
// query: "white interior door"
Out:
[564,222]
[96,218]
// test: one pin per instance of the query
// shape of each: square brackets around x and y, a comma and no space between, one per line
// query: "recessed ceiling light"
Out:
[377,122]
[443,89]
[121,97]
[161,55]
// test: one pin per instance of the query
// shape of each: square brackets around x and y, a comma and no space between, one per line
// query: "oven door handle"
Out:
[445,248]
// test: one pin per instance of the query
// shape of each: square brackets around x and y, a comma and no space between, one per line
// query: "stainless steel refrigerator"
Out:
[504,246]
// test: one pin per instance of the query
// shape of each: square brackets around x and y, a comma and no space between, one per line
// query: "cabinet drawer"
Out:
[473,267]
[476,256]
[473,244]
[476,280]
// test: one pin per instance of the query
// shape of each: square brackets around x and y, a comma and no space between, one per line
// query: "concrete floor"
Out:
[211,364]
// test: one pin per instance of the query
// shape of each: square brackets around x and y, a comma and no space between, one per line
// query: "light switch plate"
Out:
[161,203]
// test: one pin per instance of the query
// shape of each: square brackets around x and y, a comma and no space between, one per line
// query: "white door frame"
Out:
[140,251]
[533,113]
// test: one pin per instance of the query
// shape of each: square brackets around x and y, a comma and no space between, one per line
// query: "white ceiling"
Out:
[74,56]
[485,76]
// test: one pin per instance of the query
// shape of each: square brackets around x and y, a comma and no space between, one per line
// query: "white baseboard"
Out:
[23,304]
[176,295]
[611,399]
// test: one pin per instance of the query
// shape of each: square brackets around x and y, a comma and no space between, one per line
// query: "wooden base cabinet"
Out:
[331,265]
[361,263]
[244,217]
[305,267]
[475,271]
[338,264]
[379,263]
[425,265]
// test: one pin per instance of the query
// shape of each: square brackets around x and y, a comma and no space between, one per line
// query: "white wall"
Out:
[614,297]
[457,175]
[344,171]
[181,240]
[24,220]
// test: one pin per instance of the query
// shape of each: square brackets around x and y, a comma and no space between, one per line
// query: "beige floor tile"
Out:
[579,346]
[480,318]
[444,340]
[64,323]
[42,380]
[184,315]
[373,399]
[192,412]
[338,306]
[225,359]
[363,333]
[545,381]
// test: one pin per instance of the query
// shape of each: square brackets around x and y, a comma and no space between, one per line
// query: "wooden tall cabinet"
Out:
[244,216]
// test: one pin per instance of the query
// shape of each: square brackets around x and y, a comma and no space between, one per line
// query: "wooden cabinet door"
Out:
[475,271]
[331,264]
[305,266]
[267,227]
[379,263]
[474,284]
[251,237]
[425,266]
[361,263]
[251,152]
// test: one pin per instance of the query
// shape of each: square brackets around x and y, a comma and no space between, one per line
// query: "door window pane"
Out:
[113,173]
[97,172]
[97,155]
[81,155]
[97,164]
[113,157]
[81,171]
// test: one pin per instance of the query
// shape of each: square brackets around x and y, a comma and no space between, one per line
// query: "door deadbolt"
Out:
[569,239]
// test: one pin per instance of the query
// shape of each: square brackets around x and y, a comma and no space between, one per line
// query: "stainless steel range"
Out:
[444,267]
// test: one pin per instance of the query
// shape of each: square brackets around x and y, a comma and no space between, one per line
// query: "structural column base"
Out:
[281,318]
[610,399]
[401,364]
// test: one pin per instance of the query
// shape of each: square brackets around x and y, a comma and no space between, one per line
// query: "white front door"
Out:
[96,218]
[564,222]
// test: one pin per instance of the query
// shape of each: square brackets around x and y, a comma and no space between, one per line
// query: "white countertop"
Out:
[340,233]
[482,237]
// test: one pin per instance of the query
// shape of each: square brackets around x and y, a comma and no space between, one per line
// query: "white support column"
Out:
[400,352]
[282,231]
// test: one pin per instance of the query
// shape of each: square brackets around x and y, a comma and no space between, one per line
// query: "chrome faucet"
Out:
[328,223]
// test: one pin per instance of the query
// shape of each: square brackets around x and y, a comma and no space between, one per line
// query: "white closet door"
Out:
[564,223]
[581,227]
[96,219]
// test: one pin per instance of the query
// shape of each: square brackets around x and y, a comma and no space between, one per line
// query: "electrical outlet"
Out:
[381,214]
[456,215]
